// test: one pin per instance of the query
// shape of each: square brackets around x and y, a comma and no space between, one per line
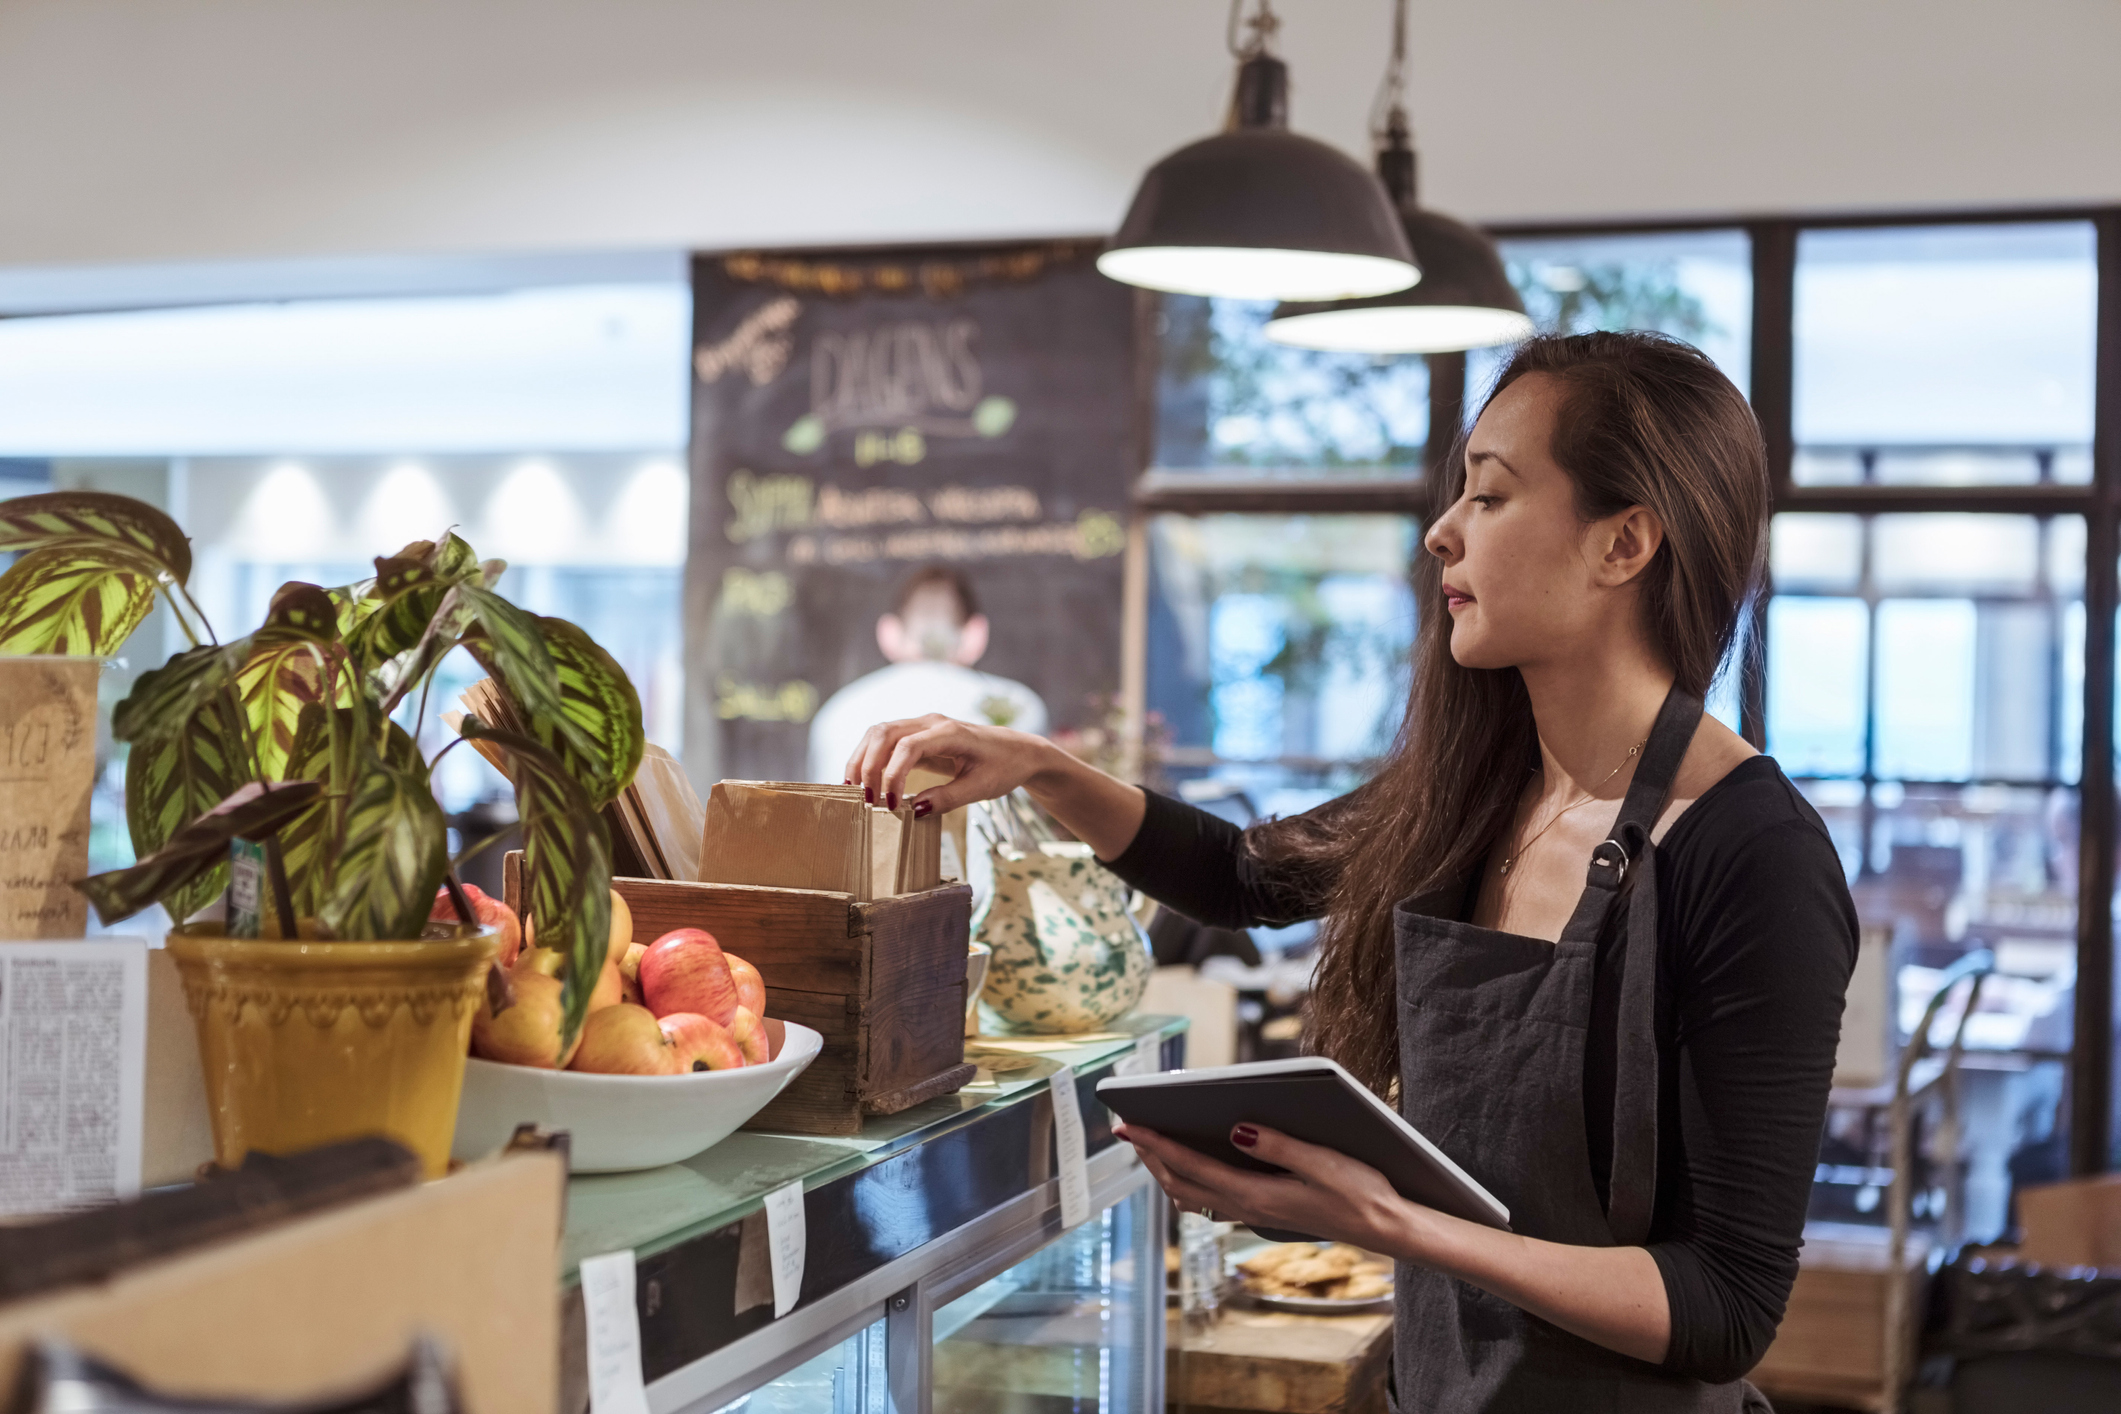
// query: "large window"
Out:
[1229,399]
[1942,574]
[1945,355]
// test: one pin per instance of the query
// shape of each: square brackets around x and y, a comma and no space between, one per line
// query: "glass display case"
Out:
[938,1275]
[1060,1332]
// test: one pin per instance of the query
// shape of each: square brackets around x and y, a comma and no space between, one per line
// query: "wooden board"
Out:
[329,1300]
[1274,1360]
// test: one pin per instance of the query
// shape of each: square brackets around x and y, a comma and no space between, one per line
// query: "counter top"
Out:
[653,1209]
[697,1229]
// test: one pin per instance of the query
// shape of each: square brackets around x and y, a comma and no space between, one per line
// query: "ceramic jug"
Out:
[1068,956]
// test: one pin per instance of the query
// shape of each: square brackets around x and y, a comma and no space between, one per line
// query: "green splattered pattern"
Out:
[1068,957]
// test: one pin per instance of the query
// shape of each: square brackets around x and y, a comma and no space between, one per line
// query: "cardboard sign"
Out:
[47,769]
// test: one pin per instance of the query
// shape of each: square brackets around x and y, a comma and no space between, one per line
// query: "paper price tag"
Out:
[614,1330]
[785,1245]
[1147,1059]
[1068,1151]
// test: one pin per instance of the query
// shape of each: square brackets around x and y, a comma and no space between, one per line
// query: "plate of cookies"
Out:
[1330,1279]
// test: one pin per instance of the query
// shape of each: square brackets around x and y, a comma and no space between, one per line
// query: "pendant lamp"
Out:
[1464,300]
[1257,212]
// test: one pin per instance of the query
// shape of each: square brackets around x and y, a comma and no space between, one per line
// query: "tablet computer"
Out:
[1308,1098]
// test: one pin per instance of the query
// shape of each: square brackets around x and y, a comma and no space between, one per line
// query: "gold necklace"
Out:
[1519,852]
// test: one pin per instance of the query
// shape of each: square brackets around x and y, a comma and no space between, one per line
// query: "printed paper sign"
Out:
[785,1239]
[73,1066]
[614,1335]
[47,769]
[1068,1151]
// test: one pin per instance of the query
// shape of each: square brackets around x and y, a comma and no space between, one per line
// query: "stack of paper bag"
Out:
[794,835]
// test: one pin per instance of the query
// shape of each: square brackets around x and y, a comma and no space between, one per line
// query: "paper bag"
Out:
[784,837]
[798,835]
[47,769]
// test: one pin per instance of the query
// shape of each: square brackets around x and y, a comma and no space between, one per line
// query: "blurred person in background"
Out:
[932,636]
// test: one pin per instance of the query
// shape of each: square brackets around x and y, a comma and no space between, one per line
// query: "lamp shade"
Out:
[1464,301]
[1259,212]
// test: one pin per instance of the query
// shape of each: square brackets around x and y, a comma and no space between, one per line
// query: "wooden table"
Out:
[1271,1360]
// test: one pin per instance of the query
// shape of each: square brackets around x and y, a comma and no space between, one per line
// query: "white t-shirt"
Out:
[912,690]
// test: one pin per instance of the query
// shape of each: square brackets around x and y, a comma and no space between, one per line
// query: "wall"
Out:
[159,130]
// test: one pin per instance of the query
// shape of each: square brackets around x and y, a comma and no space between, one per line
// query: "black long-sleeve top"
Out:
[1756,940]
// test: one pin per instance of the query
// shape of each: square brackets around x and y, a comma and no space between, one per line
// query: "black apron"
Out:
[1491,1048]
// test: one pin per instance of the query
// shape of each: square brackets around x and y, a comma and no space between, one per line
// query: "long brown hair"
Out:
[1645,420]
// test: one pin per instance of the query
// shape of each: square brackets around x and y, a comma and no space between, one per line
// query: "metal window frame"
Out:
[1773,239]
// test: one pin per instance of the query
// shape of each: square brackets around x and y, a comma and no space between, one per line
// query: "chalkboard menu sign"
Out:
[859,417]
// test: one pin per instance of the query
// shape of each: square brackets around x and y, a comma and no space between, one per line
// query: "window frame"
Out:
[1774,268]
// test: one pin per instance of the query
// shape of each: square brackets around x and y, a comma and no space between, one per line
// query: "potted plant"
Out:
[332,1007]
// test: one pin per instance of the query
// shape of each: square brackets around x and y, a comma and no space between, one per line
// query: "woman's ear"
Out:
[891,639]
[1630,543]
[971,642]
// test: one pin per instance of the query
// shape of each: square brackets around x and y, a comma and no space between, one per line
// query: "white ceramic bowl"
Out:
[621,1122]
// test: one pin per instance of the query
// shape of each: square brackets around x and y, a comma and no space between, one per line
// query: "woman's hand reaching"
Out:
[985,762]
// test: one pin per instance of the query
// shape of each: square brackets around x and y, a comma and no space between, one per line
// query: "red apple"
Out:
[749,1033]
[750,987]
[684,970]
[625,1040]
[702,1044]
[487,911]
[526,1032]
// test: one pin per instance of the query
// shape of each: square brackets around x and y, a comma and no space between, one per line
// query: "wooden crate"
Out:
[883,982]
[1831,1346]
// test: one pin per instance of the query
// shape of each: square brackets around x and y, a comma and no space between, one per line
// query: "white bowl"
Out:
[621,1122]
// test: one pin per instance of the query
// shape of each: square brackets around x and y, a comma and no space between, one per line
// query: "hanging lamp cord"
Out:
[1263,24]
[1388,114]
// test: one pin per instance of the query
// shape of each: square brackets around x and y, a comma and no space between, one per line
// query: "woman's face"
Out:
[1525,580]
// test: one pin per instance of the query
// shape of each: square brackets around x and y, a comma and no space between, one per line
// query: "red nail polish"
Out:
[868,796]
[922,807]
[891,800]
[1244,1136]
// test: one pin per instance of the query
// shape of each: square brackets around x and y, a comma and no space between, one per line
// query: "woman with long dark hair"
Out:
[1591,942]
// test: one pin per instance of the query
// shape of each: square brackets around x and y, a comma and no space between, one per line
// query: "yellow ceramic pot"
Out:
[308,1043]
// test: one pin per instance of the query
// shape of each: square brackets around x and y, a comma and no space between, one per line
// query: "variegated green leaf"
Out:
[80,598]
[173,781]
[252,812]
[510,644]
[83,518]
[405,594]
[393,856]
[277,683]
[597,696]
[310,844]
[455,562]
[300,613]
[165,700]
[566,863]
